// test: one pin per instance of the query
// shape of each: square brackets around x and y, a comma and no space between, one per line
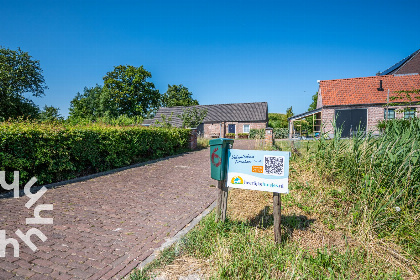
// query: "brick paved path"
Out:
[104,227]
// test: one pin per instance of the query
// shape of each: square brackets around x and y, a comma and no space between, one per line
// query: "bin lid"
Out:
[220,141]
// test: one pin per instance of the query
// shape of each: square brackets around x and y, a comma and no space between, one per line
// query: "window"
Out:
[391,114]
[409,113]
[246,128]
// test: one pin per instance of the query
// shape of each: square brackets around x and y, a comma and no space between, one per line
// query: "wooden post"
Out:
[313,124]
[277,217]
[222,197]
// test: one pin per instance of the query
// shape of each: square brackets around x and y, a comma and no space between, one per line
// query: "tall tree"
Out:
[87,105]
[126,91]
[19,74]
[276,120]
[314,102]
[178,95]
[50,114]
[192,117]
[289,112]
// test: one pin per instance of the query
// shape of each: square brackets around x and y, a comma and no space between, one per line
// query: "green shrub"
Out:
[280,133]
[230,135]
[257,133]
[203,143]
[55,152]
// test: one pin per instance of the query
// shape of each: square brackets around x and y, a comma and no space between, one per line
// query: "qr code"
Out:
[274,165]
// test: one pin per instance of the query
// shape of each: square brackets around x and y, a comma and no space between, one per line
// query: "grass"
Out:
[239,250]
[167,256]
[202,143]
[339,221]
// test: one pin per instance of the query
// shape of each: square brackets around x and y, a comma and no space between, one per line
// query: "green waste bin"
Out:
[219,157]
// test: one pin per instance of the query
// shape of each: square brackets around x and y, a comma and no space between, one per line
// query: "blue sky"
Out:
[223,51]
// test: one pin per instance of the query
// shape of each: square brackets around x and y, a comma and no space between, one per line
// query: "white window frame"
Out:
[249,128]
[389,110]
[410,111]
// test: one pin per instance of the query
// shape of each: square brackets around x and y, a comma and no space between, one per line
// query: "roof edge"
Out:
[371,77]
[305,114]
[399,64]
[216,104]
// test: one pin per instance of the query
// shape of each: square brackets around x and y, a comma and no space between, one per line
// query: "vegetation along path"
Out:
[104,227]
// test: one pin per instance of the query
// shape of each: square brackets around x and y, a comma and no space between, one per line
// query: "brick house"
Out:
[221,118]
[361,103]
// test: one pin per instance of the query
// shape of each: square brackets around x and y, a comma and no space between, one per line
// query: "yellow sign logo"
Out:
[237,180]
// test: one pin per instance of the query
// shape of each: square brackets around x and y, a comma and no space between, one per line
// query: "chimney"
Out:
[380,88]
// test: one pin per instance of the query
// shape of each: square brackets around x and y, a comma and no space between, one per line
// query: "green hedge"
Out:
[54,152]
[257,133]
[281,133]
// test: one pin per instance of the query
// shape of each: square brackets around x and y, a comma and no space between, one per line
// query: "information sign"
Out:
[258,170]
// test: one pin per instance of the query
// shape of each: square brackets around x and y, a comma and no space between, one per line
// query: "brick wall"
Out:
[327,117]
[319,100]
[269,137]
[193,139]
[375,113]
[213,129]
[399,113]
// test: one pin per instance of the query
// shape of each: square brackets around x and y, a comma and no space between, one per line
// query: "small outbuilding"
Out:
[221,118]
[359,104]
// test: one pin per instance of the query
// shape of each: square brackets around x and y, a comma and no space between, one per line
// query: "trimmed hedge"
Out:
[54,152]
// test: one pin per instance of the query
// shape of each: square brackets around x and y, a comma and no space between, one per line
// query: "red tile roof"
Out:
[364,90]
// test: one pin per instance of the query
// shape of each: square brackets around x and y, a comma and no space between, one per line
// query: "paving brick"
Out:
[92,270]
[83,274]
[96,264]
[41,277]
[78,265]
[42,262]
[24,272]
[59,268]
[43,255]
[5,274]
[23,264]
[105,226]
[127,269]
[8,266]
[41,269]
[101,273]
[26,257]
[60,261]
[76,258]
[60,253]
[112,272]
[45,249]
[16,277]
[60,275]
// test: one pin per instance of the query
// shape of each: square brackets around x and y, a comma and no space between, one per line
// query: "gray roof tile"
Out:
[244,112]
